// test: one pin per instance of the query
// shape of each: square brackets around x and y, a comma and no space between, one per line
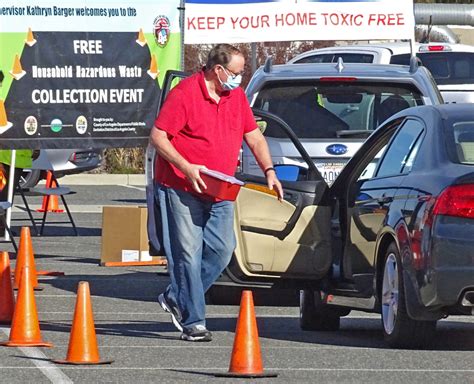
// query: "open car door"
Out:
[154,219]
[287,240]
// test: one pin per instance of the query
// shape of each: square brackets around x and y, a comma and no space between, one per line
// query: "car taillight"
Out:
[434,48]
[456,200]
[339,79]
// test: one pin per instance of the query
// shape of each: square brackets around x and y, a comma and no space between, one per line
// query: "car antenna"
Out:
[414,61]
[268,65]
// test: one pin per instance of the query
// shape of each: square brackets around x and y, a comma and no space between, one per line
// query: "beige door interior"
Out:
[266,246]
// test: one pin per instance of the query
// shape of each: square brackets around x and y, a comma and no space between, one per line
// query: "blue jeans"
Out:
[198,238]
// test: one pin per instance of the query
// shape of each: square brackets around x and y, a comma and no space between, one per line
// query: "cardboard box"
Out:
[124,235]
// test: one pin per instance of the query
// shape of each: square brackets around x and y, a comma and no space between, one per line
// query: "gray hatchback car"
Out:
[333,107]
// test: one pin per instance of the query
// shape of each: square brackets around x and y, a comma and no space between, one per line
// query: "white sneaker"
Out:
[173,311]
[196,333]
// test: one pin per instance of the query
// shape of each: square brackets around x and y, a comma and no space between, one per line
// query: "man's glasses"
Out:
[232,74]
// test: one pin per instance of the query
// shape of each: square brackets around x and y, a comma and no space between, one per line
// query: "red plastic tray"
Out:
[220,185]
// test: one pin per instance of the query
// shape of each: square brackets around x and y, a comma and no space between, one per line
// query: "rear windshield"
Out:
[464,141]
[332,58]
[446,67]
[330,110]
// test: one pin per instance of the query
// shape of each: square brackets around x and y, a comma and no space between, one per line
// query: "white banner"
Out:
[240,21]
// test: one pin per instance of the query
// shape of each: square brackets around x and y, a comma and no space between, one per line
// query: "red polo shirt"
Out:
[202,131]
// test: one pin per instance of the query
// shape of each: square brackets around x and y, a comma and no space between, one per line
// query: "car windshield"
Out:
[464,141]
[334,109]
[446,67]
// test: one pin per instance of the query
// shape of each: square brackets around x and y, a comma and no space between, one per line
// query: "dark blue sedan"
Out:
[413,219]
[393,234]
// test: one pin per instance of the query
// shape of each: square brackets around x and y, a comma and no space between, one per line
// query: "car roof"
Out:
[375,72]
[451,111]
[456,111]
[332,69]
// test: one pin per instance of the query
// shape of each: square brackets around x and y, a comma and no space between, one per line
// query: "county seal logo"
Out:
[161,30]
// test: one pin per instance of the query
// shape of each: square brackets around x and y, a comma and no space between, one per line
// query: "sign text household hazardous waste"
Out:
[84,74]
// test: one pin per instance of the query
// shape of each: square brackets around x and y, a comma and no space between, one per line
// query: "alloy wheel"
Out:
[390,293]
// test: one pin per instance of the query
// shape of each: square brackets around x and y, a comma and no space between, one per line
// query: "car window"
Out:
[446,67]
[401,152]
[369,171]
[321,58]
[294,165]
[464,141]
[328,109]
[333,57]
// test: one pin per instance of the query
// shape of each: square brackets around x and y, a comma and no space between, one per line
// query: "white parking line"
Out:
[132,187]
[50,370]
[285,369]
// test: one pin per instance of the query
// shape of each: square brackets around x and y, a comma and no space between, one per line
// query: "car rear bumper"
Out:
[450,269]
[447,275]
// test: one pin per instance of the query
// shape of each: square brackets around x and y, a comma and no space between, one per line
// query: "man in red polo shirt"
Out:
[201,125]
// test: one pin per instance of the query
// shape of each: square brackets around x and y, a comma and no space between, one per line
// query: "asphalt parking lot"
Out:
[134,332]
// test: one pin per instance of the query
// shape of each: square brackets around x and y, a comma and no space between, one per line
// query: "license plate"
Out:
[330,170]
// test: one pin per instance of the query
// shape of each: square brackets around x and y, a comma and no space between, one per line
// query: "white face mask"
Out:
[232,82]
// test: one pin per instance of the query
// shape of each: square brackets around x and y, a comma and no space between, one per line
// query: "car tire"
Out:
[400,331]
[316,316]
[30,178]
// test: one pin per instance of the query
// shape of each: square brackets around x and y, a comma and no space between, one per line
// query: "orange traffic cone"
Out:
[50,203]
[25,330]
[141,38]
[4,123]
[153,71]
[25,258]
[30,39]
[3,114]
[82,348]
[7,299]
[17,72]
[246,359]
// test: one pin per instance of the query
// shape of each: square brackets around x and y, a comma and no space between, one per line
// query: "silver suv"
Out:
[333,107]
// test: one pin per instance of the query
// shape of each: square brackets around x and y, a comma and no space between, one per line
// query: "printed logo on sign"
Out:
[31,125]
[336,149]
[56,125]
[81,125]
[161,30]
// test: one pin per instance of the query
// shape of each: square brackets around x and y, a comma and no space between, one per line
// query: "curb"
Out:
[103,179]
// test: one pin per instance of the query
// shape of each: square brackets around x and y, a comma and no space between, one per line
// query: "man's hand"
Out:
[193,174]
[274,184]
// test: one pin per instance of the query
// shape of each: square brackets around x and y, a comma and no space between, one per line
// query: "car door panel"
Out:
[262,220]
[288,239]
[372,200]
[367,218]
[153,217]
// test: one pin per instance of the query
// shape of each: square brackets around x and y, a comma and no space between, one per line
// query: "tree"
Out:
[195,55]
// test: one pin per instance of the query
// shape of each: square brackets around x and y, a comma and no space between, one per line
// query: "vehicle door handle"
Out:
[384,200]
